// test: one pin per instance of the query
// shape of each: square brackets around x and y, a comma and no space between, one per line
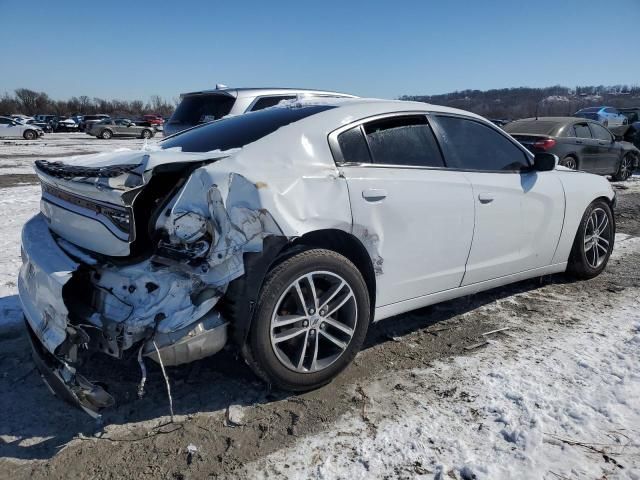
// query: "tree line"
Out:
[523,102]
[29,102]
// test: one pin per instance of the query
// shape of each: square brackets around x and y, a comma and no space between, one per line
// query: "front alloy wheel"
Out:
[594,241]
[625,170]
[310,320]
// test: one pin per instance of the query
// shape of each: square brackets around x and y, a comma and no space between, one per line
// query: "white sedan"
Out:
[10,128]
[288,231]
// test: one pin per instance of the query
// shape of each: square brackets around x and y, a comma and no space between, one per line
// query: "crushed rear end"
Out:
[132,252]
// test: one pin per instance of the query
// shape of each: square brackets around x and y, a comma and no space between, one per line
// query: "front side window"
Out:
[471,145]
[600,133]
[582,130]
[266,102]
[403,140]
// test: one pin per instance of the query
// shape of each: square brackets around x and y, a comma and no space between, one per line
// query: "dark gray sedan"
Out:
[580,143]
[107,129]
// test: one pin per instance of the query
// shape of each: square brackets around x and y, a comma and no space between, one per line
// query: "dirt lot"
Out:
[234,421]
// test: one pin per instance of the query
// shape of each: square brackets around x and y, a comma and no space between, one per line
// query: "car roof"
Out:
[254,92]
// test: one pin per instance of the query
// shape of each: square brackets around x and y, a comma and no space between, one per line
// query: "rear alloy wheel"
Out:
[106,134]
[310,322]
[594,241]
[29,135]
[625,169]
[569,162]
[146,134]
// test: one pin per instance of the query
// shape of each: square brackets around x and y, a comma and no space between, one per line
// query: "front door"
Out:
[519,212]
[608,153]
[417,215]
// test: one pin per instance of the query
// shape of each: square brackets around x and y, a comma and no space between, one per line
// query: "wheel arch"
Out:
[238,303]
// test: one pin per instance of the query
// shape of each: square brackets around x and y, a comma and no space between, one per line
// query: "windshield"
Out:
[202,108]
[236,132]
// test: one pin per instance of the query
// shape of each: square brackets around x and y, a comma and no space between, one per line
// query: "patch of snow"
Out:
[17,205]
[557,402]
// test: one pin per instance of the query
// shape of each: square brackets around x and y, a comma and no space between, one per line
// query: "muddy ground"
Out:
[233,418]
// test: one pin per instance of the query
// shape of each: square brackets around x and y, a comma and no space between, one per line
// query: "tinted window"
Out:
[403,141]
[4,121]
[600,133]
[266,102]
[473,146]
[236,132]
[195,109]
[354,146]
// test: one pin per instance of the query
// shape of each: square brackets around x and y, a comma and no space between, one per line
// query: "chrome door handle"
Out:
[374,194]
[486,197]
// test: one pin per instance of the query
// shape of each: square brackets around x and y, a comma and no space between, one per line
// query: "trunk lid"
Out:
[91,201]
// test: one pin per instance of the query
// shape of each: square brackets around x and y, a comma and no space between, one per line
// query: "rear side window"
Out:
[354,146]
[582,130]
[195,109]
[403,141]
[470,145]
[266,102]
[568,131]
[236,132]
[600,133]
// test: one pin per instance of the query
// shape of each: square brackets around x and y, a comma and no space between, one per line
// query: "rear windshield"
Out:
[539,127]
[236,132]
[195,109]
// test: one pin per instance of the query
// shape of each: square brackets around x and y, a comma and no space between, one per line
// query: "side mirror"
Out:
[544,162]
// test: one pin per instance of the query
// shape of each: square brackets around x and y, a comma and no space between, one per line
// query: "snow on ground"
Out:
[17,156]
[557,402]
[17,205]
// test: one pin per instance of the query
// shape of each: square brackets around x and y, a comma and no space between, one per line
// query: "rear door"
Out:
[418,214]
[608,154]
[519,212]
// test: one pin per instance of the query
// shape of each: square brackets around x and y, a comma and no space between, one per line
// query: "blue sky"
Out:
[134,49]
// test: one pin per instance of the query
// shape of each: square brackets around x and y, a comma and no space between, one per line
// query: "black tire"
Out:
[570,162]
[581,264]
[30,135]
[625,170]
[106,134]
[259,352]
[146,134]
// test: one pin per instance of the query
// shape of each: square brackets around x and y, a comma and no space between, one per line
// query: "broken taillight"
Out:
[545,143]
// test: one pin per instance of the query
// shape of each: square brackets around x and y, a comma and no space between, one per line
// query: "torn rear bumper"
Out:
[64,382]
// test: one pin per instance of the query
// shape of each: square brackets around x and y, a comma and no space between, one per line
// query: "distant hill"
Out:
[522,102]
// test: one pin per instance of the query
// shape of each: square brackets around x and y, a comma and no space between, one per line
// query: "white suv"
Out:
[209,105]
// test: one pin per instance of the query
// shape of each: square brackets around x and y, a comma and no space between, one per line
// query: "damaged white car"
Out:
[289,230]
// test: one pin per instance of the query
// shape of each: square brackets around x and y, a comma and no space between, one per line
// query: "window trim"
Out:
[593,132]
